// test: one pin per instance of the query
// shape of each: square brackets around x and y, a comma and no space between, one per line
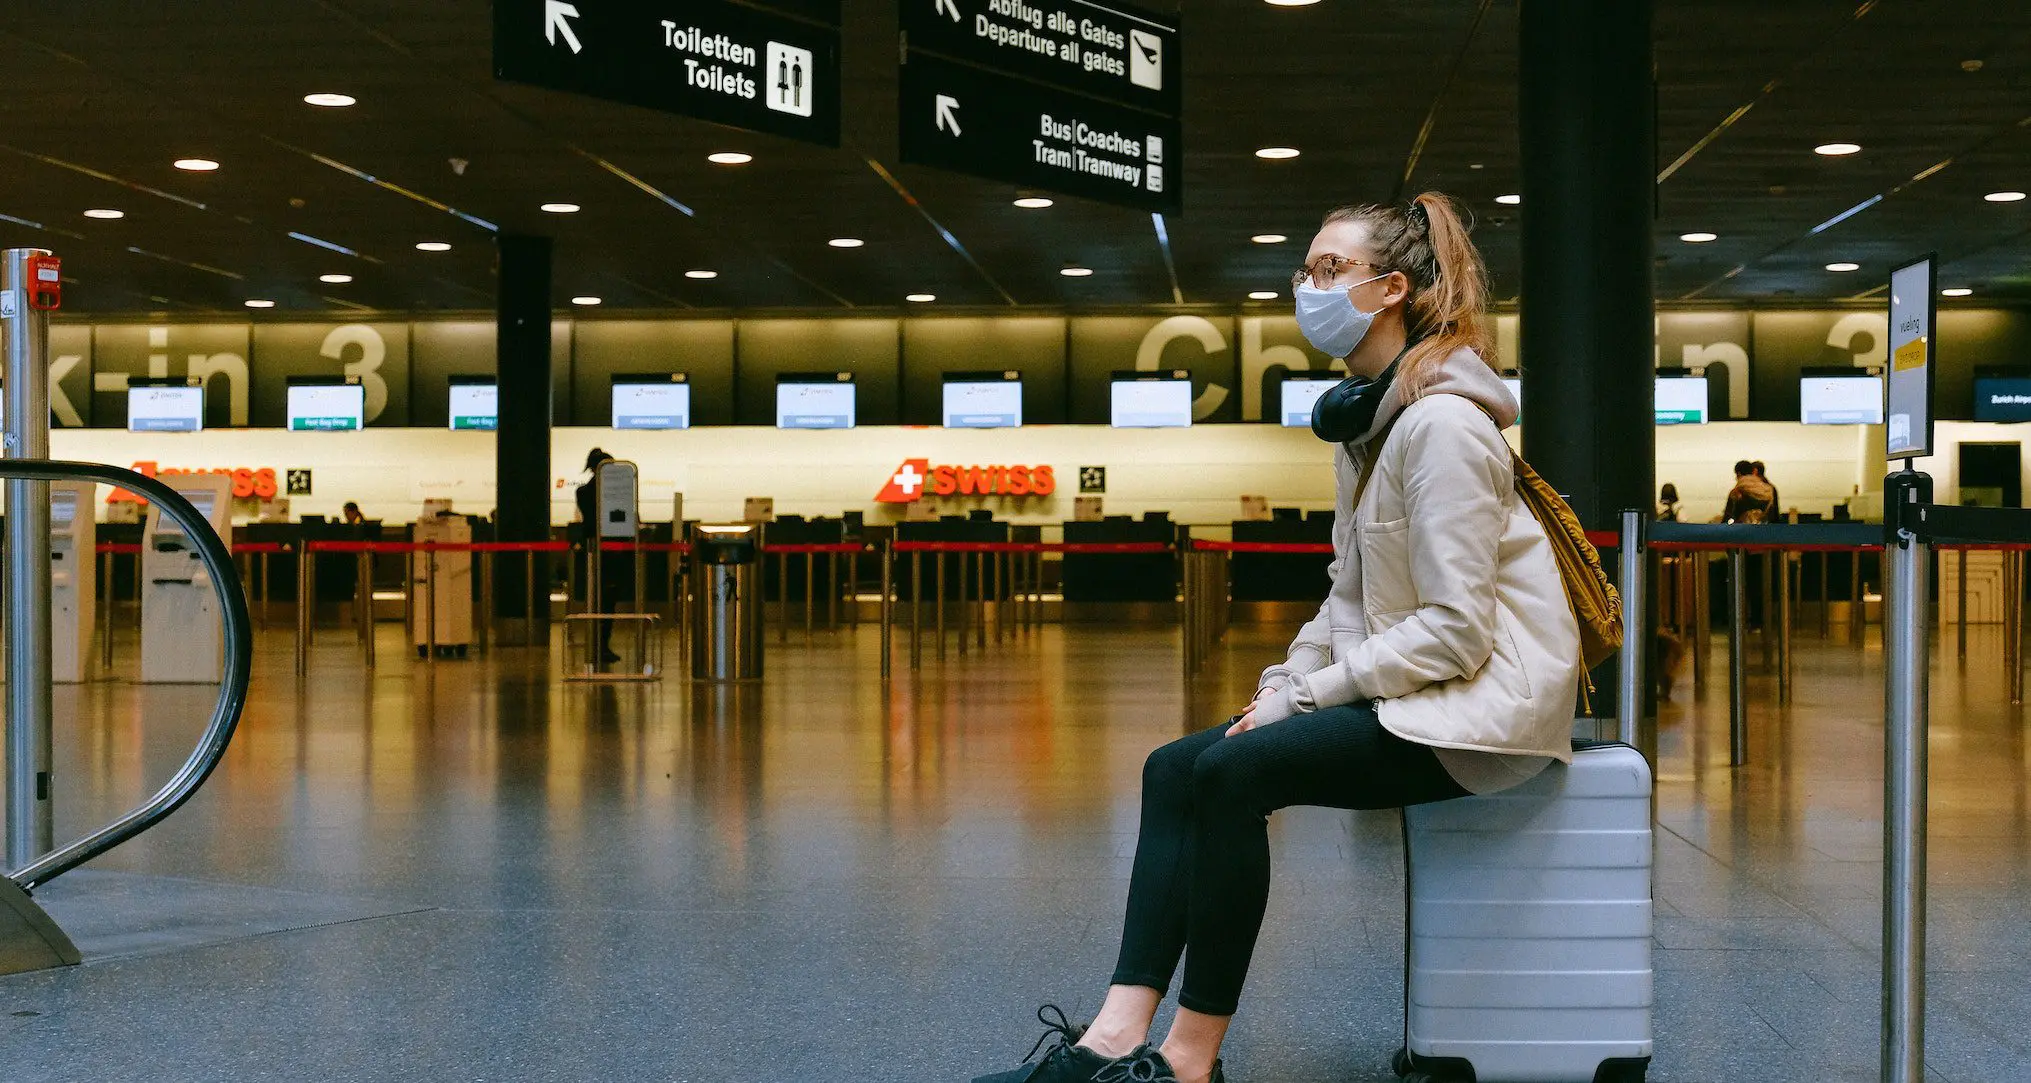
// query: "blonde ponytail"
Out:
[1427,240]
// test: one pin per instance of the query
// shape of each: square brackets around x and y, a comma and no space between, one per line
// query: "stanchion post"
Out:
[486,602]
[1738,665]
[887,603]
[1960,607]
[938,604]
[430,601]
[1635,638]
[306,584]
[1785,581]
[1906,567]
[1702,616]
[529,624]
[1855,604]
[783,596]
[2013,621]
[105,599]
[363,604]
[1188,618]
[916,609]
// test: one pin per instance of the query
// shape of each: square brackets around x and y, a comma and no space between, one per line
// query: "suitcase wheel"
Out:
[1399,1062]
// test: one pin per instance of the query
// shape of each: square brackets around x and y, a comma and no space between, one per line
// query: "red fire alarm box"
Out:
[45,282]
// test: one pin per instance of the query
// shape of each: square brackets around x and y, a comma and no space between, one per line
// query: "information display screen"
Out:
[475,403]
[651,404]
[983,402]
[1515,386]
[165,409]
[63,507]
[1299,396]
[2003,398]
[1840,400]
[1681,400]
[815,405]
[1153,404]
[327,407]
[201,499]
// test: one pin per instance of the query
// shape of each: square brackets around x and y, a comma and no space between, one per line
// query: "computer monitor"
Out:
[807,400]
[656,400]
[2002,394]
[1299,393]
[174,404]
[983,400]
[1151,400]
[321,404]
[475,403]
[1840,397]
[1681,400]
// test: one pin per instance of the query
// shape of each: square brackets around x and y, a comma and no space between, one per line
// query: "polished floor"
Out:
[472,871]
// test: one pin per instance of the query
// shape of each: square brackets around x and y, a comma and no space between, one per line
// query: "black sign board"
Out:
[719,61]
[1104,49]
[995,126]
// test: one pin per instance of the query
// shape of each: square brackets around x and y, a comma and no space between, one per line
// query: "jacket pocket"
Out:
[1505,644]
[1386,584]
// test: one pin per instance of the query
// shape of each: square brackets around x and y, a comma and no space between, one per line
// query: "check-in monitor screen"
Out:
[1840,400]
[2003,398]
[165,409]
[1152,404]
[983,404]
[1681,400]
[815,406]
[201,499]
[665,405]
[1299,397]
[327,407]
[476,406]
[63,507]
[1515,386]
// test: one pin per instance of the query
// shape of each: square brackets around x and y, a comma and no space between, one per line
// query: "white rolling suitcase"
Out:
[1529,929]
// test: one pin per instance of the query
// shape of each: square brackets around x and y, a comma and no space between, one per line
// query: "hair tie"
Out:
[1416,214]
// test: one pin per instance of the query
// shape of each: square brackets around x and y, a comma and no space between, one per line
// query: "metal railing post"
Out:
[1906,567]
[938,604]
[363,597]
[485,616]
[916,609]
[25,328]
[1635,630]
[810,585]
[888,602]
[1784,613]
[106,609]
[1960,609]
[1738,692]
[306,585]
[1702,616]
[430,599]
[2013,621]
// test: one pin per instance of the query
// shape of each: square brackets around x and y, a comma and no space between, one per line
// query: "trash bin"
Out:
[726,600]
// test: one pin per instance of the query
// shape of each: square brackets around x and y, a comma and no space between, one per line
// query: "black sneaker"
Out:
[1065,1062]
[1146,1065]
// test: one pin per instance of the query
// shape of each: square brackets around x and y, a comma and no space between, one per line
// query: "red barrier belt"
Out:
[338,546]
[260,547]
[1604,539]
[816,547]
[1031,547]
[1307,548]
[1765,547]
[131,548]
[646,547]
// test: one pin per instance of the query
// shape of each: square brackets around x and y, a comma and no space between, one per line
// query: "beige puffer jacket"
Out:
[1446,602]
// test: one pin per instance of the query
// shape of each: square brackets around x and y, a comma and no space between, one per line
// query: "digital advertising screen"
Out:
[327,407]
[1681,400]
[178,407]
[475,403]
[1153,402]
[2003,398]
[992,400]
[652,402]
[1840,400]
[825,402]
[1299,394]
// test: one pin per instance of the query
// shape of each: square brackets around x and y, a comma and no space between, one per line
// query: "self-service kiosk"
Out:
[180,629]
[441,583]
[73,578]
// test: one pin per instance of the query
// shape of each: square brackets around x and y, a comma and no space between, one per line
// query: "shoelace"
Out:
[1145,1065]
[1067,1032]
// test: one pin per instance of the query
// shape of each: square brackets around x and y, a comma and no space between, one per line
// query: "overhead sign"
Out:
[1908,417]
[994,126]
[1107,50]
[725,62]
[917,478]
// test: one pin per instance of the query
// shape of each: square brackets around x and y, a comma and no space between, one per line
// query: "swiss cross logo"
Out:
[906,485]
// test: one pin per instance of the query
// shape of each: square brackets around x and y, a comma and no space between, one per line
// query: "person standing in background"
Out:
[1667,504]
[1776,505]
[1752,499]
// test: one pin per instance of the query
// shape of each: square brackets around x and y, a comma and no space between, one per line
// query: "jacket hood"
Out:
[1462,373]
[1755,488]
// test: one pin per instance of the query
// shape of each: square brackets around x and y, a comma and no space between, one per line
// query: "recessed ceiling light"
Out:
[260,302]
[1034,203]
[195,165]
[1698,238]
[560,208]
[1509,200]
[1956,291]
[1290,3]
[334,280]
[1075,271]
[330,101]
[1835,150]
[729,157]
[846,242]
[701,274]
[586,302]
[921,298]
[1269,238]
[1843,266]
[432,246]
[1263,295]
[105,213]
[2004,197]
[1277,153]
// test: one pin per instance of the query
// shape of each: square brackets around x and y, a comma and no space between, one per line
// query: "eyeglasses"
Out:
[1326,268]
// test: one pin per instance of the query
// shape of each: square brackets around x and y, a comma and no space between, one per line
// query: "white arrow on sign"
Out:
[557,15]
[947,115]
[947,6]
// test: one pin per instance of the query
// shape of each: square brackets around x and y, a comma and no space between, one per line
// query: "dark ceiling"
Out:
[104,95]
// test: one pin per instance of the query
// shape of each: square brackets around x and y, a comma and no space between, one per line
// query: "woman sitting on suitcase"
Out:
[1444,662]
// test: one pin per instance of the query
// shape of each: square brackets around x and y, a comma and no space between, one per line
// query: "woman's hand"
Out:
[1247,721]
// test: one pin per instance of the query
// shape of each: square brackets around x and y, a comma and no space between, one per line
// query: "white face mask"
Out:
[1329,319]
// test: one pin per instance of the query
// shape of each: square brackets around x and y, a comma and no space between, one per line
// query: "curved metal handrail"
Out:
[239,657]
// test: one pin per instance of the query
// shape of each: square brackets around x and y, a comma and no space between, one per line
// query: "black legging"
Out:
[1201,876]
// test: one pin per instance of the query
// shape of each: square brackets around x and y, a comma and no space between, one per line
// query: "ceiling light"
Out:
[1263,295]
[330,101]
[1034,203]
[1956,291]
[2004,197]
[1835,150]
[586,302]
[846,242]
[1075,271]
[334,280]
[102,212]
[729,157]
[1509,200]
[921,298]
[432,246]
[560,208]
[1290,3]
[1698,238]
[1277,153]
[259,302]
[1843,266]
[1269,238]
[195,165]
[701,275]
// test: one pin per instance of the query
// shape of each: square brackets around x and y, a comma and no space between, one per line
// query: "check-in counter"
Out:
[1282,577]
[1121,577]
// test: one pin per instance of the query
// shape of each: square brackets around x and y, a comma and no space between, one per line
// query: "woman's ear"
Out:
[1395,289]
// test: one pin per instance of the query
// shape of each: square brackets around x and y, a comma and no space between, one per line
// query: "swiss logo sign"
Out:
[916,478]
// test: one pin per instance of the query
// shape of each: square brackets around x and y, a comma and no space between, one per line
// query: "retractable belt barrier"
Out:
[842,590]
[1206,602]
